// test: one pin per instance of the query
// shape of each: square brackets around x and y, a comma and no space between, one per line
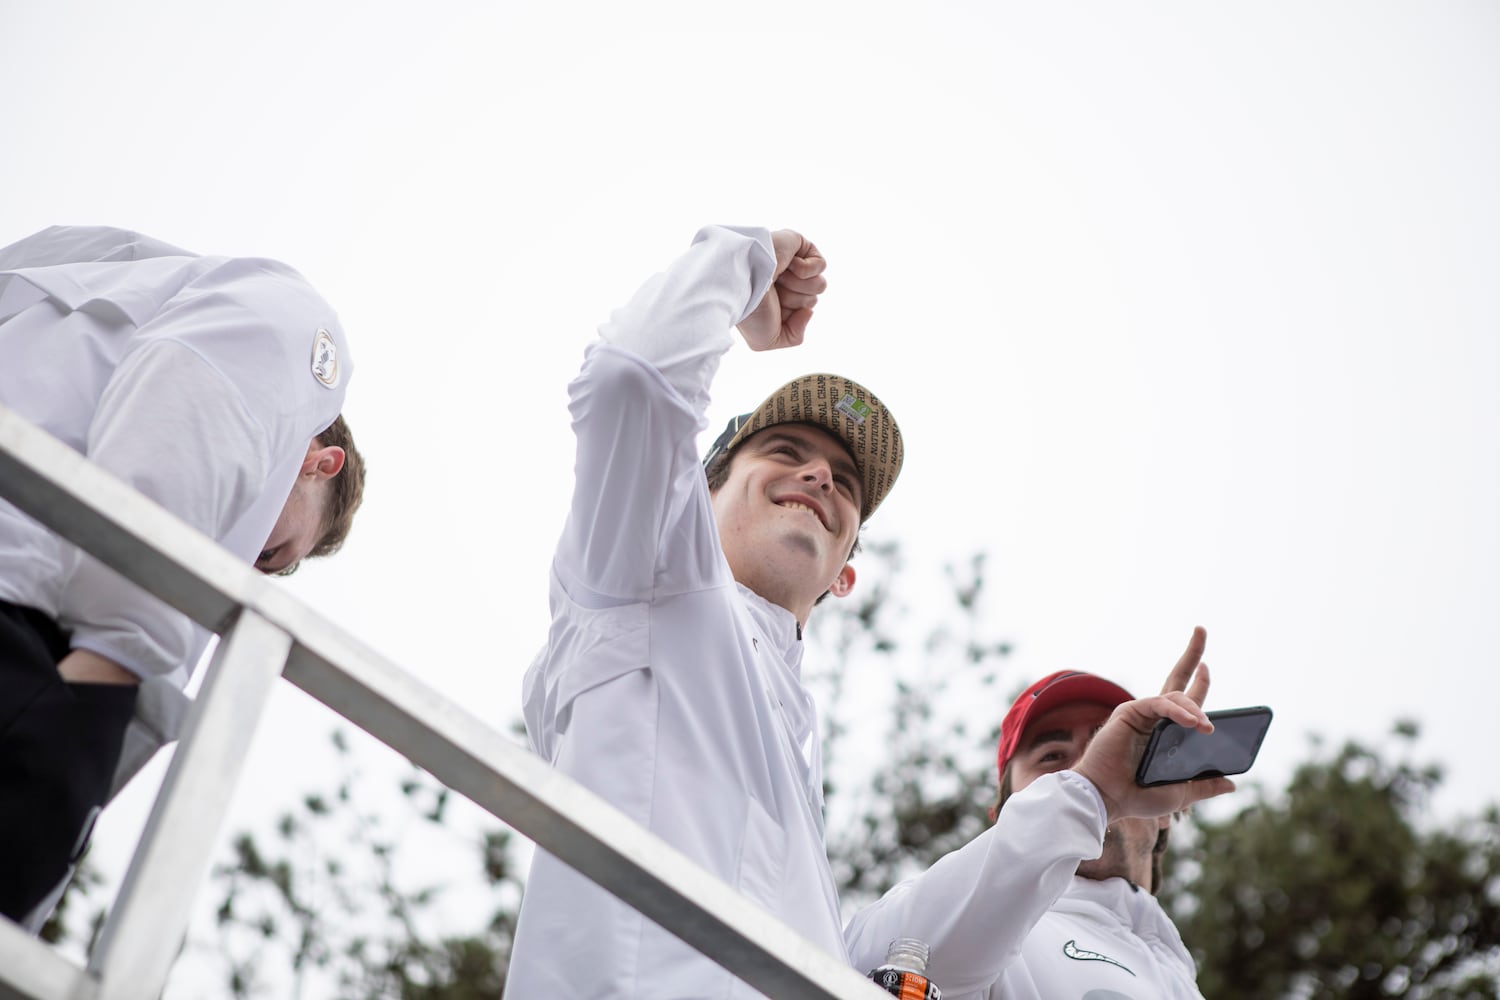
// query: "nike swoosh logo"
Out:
[1071,950]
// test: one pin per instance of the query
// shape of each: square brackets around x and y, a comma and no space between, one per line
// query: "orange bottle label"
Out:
[905,984]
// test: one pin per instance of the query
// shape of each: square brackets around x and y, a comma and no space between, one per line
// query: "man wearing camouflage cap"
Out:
[670,683]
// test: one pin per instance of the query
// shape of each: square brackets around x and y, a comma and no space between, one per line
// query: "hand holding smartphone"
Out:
[1177,753]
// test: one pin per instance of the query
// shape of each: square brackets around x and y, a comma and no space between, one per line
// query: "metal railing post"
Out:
[150,916]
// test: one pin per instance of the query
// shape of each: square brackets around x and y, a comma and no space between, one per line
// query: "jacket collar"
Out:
[1134,909]
[778,625]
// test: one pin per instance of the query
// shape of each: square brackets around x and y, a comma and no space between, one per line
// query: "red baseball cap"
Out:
[1061,688]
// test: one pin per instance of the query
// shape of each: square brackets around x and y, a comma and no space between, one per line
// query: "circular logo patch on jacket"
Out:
[325,359]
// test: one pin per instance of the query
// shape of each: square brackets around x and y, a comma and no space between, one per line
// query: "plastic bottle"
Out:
[904,972]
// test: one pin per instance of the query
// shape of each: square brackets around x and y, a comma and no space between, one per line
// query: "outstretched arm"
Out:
[1110,761]
[680,320]
[781,317]
[641,400]
[976,906]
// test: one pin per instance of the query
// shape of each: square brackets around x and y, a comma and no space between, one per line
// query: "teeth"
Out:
[794,505]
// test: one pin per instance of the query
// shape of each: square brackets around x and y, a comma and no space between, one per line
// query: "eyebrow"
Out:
[1050,736]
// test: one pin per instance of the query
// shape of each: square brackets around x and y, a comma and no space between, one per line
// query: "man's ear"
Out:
[323,461]
[843,584]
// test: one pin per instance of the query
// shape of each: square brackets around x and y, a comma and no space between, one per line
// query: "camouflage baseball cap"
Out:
[844,408]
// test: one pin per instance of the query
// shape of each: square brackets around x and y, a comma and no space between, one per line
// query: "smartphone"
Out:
[1177,753]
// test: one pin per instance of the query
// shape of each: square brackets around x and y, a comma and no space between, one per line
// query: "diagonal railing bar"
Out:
[30,970]
[122,529]
[132,535]
[568,820]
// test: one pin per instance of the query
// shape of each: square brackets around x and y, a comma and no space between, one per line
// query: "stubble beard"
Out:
[1115,859]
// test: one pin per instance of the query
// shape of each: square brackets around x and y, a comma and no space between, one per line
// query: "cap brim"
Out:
[1064,688]
[1083,687]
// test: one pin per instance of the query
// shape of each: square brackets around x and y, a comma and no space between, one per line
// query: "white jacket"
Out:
[675,693]
[1102,939]
[976,906]
[192,379]
[665,686]
[1099,940]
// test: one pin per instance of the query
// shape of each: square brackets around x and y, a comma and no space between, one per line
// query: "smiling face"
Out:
[1054,741]
[788,515]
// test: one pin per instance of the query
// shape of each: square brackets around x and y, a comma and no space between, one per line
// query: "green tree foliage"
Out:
[80,892]
[323,905]
[322,901]
[927,786]
[1335,888]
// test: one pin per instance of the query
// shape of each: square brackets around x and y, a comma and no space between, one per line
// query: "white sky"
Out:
[1188,311]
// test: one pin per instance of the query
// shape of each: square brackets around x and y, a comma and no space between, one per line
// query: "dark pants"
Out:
[59,746]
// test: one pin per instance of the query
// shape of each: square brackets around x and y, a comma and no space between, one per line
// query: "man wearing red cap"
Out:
[1104,935]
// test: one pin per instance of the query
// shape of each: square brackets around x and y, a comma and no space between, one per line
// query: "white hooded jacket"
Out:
[199,381]
[676,694]
[1103,940]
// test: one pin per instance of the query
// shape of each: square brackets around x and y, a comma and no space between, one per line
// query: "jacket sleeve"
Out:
[173,429]
[209,415]
[637,407]
[975,906]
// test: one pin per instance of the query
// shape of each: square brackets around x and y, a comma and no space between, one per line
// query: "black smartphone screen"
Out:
[1176,753]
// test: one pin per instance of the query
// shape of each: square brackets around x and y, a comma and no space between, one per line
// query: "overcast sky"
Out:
[1189,312]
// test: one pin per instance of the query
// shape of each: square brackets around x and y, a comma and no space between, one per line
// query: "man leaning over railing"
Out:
[213,385]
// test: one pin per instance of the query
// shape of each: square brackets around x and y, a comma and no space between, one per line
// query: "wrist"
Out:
[1107,802]
[84,666]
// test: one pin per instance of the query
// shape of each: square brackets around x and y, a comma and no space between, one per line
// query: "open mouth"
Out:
[799,505]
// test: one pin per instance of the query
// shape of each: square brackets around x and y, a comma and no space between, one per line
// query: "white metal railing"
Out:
[267,633]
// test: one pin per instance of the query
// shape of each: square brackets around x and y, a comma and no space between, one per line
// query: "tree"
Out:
[364,934]
[61,925]
[1334,888]
[325,905]
[935,780]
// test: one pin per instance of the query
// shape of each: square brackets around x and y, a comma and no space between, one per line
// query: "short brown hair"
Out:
[346,490]
[718,470]
[1004,793]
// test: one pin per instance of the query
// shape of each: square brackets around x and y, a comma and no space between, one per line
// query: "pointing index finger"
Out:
[1177,680]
